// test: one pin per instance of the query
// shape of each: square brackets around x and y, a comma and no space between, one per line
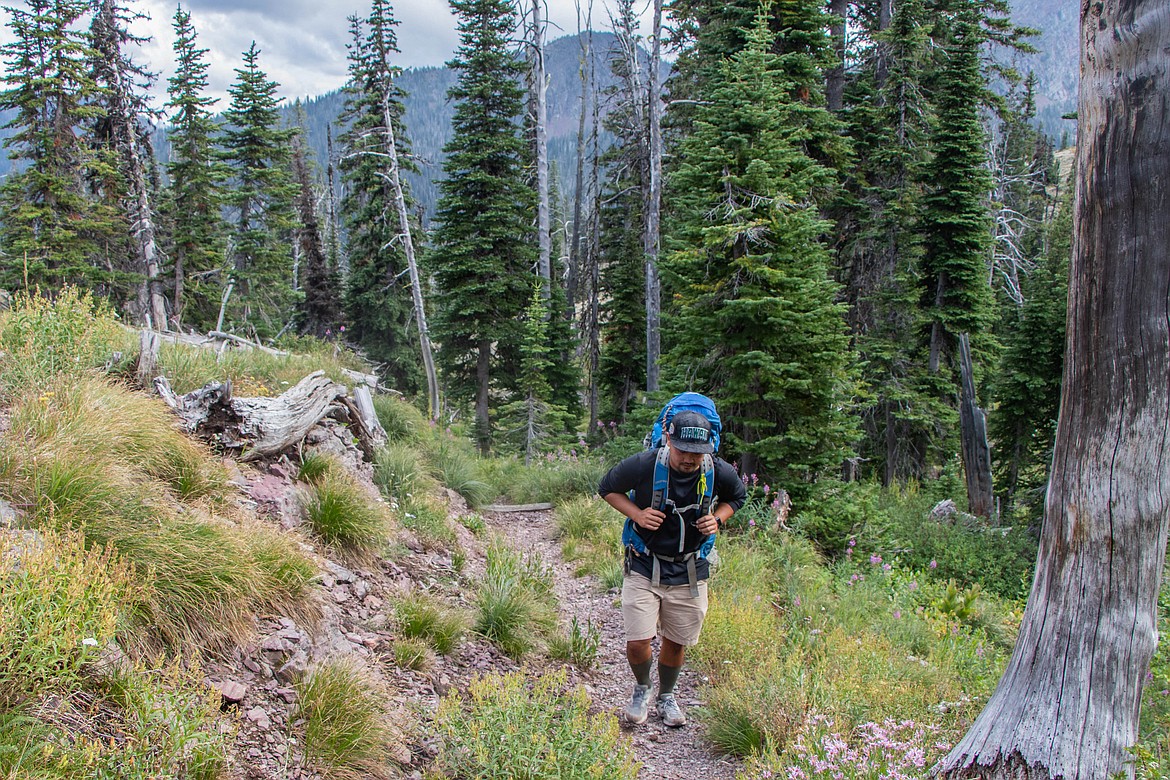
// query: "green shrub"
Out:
[421,616]
[555,480]
[154,723]
[402,420]
[456,466]
[549,731]
[346,727]
[59,604]
[579,646]
[583,518]
[400,471]
[413,654]
[41,337]
[427,518]
[515,603]
[343,515]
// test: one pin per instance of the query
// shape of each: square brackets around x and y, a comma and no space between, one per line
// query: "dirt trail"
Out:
[669,754]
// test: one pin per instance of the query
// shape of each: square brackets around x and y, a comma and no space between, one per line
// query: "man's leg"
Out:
[682,621]
[640,612]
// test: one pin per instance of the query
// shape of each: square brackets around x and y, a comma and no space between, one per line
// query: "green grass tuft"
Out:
[515,605]
[343,515]
[456,466]
[347,734]
[578,646]
[402,420]
[421,616]
[400,472]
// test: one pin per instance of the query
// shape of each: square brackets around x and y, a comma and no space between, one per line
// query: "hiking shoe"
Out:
[639,706]
[671,714]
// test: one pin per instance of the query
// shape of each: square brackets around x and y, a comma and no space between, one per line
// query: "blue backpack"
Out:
[684,402]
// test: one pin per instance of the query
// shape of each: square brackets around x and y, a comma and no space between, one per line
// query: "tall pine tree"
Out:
[755,322]
[377,295]
[51,234]
[260,198]
[196,176]
[484,252]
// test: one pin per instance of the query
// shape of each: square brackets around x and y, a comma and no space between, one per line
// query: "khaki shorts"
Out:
[669,608]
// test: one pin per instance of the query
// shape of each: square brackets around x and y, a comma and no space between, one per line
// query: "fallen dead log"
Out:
[260,428]
[516,507]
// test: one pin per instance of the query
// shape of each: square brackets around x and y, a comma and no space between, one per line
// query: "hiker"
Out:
[667,542]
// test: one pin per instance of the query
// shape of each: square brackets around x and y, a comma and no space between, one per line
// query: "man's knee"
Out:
[639,650]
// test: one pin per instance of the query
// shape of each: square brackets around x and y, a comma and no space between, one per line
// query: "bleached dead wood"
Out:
[260,428]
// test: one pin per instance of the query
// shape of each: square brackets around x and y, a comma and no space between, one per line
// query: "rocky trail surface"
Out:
[666,753]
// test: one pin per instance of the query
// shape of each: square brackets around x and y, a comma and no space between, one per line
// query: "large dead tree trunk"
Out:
[259,428]
[976,452]
[390,148]
[651,241]
[540,120]
[835,76]
[1067,706]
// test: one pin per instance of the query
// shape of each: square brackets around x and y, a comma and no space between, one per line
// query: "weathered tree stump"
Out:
[260,428]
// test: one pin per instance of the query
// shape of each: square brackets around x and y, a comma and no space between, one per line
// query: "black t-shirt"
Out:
[636,473]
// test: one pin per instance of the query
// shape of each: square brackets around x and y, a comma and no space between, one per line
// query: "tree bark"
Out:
[651,241]
[976,452]
[1069,701]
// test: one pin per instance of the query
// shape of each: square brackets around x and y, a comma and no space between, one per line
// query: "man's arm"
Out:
[650,519]
[710,523]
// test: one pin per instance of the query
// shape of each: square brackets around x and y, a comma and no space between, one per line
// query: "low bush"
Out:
[76,467]
[400,472]
[427,517]
[556,479]
[420,616]
[505,724]
[60,604]
[403,422]
[347,732]
[413,654]
[41,338]
[578,646]
[454,463]
[149,723]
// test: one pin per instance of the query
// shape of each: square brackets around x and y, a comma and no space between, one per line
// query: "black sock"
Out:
[667,677]
[642,672]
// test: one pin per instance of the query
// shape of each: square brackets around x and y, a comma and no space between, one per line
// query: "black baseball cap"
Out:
[690,432]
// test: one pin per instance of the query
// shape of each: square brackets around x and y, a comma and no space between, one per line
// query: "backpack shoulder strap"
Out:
[661,477]
[707,485]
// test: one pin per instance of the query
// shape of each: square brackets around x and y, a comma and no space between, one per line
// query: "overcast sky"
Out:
[302,42]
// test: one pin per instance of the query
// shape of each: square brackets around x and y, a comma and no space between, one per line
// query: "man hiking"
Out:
[675,499]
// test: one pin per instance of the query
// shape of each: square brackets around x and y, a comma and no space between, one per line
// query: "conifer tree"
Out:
[756,323]
[261,201]
[51,232]
[484,253]
[196,178]
[319,309]
[378,301]
[954,290]
[622,366]
[1027,382]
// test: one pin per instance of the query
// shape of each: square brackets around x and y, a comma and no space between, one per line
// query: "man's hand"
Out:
[650,519]
[707,524]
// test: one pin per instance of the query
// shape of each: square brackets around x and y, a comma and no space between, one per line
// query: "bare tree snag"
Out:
[651,239]
[149,345]
[1068,704]
[539,101]
[976,452]
[260,428]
